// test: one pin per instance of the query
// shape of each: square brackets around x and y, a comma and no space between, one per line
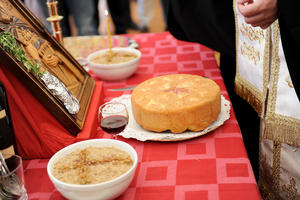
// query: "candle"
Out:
[55,19]
[108,33]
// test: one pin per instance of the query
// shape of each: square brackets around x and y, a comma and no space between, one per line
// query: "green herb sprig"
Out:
[10,44]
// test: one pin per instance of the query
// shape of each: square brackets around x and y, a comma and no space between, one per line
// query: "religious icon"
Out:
[44,66]
[40,51]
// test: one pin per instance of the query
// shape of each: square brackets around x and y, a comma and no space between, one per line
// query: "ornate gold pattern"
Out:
[276,166]
[265,179]
[254,34]
[250,52]
[243,88]
[290,189]
[248,91]
[269,184]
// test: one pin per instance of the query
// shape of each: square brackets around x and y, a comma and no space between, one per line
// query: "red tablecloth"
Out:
[211,167]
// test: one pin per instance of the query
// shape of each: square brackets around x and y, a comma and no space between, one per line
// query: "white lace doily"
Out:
[133,130]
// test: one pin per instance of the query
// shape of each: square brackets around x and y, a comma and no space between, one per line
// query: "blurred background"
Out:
[144,15]
[158,23]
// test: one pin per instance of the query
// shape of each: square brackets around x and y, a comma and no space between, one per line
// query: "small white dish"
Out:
[83,62]
[113,72]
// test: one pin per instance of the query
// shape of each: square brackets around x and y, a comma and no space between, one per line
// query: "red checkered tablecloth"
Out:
[211,167]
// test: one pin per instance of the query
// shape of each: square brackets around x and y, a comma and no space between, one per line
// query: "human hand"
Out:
[260,13]
[52,61]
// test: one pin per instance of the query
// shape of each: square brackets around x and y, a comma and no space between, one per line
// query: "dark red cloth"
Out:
[38,134]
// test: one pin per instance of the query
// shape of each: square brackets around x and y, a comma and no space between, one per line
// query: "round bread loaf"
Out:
[176,102]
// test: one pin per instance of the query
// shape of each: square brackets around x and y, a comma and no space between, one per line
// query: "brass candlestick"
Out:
[55,19]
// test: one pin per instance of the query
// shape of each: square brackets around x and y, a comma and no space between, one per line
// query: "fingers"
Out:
[244,2]
[260,19]
[247,8]
[265,25]
[260,23]
[259,13]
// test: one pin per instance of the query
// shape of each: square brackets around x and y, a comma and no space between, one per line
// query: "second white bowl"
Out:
[114,72]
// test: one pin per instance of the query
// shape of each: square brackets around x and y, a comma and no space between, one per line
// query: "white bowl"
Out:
[114,72]
[105,190]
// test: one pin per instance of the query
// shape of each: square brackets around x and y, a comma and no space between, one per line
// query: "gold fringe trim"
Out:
[283,129]
[246,94]
[245,89]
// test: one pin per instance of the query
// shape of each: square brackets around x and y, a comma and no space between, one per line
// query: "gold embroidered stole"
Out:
[252,58]
[262,79]
[283,107]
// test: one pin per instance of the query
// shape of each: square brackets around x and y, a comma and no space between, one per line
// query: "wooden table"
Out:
[211,167]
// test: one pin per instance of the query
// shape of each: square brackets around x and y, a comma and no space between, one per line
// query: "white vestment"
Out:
[264,81]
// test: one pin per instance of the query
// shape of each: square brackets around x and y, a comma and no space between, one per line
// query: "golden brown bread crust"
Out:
[176,102]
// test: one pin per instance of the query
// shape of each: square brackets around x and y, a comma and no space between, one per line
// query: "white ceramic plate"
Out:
[133,130]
